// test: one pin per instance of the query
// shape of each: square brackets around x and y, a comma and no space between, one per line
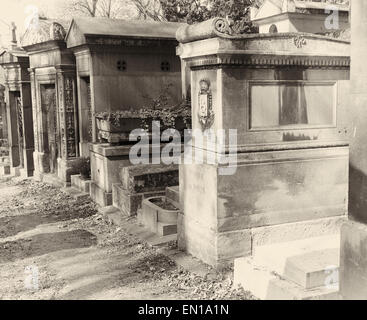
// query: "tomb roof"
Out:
[12,55]
[44,30]
[82,27]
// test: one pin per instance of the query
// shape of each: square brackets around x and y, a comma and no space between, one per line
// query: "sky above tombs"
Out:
[18,11]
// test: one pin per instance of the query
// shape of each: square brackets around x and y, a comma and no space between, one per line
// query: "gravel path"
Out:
[53,247]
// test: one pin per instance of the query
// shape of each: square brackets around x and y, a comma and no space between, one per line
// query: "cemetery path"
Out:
[54,247]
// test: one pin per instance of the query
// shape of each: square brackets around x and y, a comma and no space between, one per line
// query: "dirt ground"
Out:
[54,247]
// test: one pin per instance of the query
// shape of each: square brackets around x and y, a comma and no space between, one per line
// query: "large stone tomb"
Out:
[289,162]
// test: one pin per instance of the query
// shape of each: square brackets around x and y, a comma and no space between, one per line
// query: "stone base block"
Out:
[353,261]
[99,196]
[272,196]
[106,162]
[130,203]
[67,168]
[82,184]
[24,173]
[15,172]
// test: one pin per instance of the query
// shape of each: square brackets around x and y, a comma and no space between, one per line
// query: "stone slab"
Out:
[146,178]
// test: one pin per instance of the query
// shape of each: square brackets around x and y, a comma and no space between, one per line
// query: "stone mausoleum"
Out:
[54,100]
[284,94]
[15,63]
[121,65]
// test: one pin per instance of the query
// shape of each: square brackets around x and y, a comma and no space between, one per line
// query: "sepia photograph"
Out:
[208,154]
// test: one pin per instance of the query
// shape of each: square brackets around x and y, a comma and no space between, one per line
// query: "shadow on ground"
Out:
[11,226]
[45,243]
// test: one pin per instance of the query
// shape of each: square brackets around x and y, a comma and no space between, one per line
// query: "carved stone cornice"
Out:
[128,42]
[269,61]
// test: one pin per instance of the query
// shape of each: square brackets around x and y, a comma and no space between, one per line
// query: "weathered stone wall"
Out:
[141,82]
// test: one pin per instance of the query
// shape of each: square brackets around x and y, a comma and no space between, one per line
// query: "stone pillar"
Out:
[353,269]
[12,121]
[27,128]
[4,129]
[35,115]
[68,123]
[85,115]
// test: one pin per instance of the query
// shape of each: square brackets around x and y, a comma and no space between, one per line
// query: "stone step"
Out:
[300,269]
[173,195]
[307,262]
[81,184]
[76,193]
[166,229]
[267,285]
[314,269]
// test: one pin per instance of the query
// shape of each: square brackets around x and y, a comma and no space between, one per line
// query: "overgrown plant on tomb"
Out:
[166,116]
[157,109]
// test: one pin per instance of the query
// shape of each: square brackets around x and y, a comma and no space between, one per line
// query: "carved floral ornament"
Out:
[299,41]
[43,31]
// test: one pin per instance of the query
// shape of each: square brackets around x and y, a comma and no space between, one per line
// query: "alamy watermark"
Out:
[31,280]
[332,20]
[211,147]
